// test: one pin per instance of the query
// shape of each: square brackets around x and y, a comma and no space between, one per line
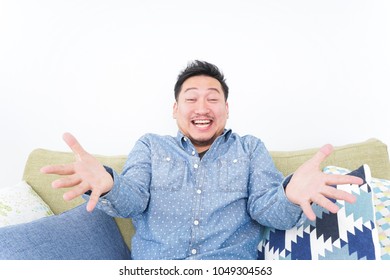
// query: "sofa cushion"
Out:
[350,234]
[20,204]
[74,234]
[381,191]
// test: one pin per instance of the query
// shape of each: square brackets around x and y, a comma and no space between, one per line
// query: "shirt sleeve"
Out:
[267,202]
[130,194]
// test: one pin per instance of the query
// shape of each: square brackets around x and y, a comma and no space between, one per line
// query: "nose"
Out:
[202,107]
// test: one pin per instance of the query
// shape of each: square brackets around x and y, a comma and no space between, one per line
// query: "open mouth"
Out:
[202,123]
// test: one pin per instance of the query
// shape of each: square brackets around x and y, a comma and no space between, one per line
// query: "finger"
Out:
[66,182]
[334,193]
[308,211]
[334,179]
[93,200]
[75,146]
[60,169]
[76,191]
[322,154]
[326,203]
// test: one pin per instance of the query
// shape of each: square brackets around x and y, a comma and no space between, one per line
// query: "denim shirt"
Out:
[186,208]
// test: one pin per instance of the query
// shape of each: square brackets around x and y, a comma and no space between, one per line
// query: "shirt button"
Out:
[193,153]
[196,222]
[196,165]
[198,191]
[193,251]
[235,160]
[168,159]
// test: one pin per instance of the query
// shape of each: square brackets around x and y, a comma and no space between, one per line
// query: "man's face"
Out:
[201,111]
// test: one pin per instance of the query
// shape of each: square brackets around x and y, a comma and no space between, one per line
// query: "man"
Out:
[206,193]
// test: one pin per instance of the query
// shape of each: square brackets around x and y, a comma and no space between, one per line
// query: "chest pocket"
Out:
[233,174]
[167,174]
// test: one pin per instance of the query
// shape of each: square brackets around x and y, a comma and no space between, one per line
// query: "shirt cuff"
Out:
[287,180]
[293,207]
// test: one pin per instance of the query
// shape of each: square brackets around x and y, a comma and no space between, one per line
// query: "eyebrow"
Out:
[214,89]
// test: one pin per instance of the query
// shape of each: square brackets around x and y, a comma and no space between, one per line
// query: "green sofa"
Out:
[372,152]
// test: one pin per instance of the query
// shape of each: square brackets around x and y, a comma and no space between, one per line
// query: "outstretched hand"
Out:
[85,174]
[310,185]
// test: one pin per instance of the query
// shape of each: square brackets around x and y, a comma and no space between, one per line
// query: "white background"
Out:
[301,73]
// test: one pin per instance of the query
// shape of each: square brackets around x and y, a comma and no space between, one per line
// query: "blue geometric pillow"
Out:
[381,196]
[349,234]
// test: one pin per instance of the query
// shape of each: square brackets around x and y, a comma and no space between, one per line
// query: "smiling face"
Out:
[201,111]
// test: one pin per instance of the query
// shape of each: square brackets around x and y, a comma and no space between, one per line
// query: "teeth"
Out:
[201,121]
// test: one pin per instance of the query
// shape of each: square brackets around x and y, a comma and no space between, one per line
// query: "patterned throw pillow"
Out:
[349,234]
[381,196]
[20,204]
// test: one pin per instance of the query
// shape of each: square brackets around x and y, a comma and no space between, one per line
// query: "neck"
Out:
[202,149]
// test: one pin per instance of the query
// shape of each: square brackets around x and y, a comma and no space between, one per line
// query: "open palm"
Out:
[310,185]
[83,175]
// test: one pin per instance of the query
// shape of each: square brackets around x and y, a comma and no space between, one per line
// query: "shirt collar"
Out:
[184,141]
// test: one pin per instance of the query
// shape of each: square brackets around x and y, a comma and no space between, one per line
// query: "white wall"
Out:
[301,73]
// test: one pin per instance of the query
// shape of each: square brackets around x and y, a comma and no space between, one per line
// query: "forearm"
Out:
[273,209]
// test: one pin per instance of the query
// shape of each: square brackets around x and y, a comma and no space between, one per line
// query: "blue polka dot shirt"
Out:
[184,207]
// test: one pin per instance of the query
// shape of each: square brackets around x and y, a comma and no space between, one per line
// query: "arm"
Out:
[122,195]
[131,191]
[279,203]
[267,201]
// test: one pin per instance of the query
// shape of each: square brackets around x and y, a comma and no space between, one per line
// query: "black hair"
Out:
[199,68]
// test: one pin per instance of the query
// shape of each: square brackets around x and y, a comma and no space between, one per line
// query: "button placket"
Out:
[198,176]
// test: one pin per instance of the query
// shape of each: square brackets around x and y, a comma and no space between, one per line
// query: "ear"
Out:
[174,111]
[227,109]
